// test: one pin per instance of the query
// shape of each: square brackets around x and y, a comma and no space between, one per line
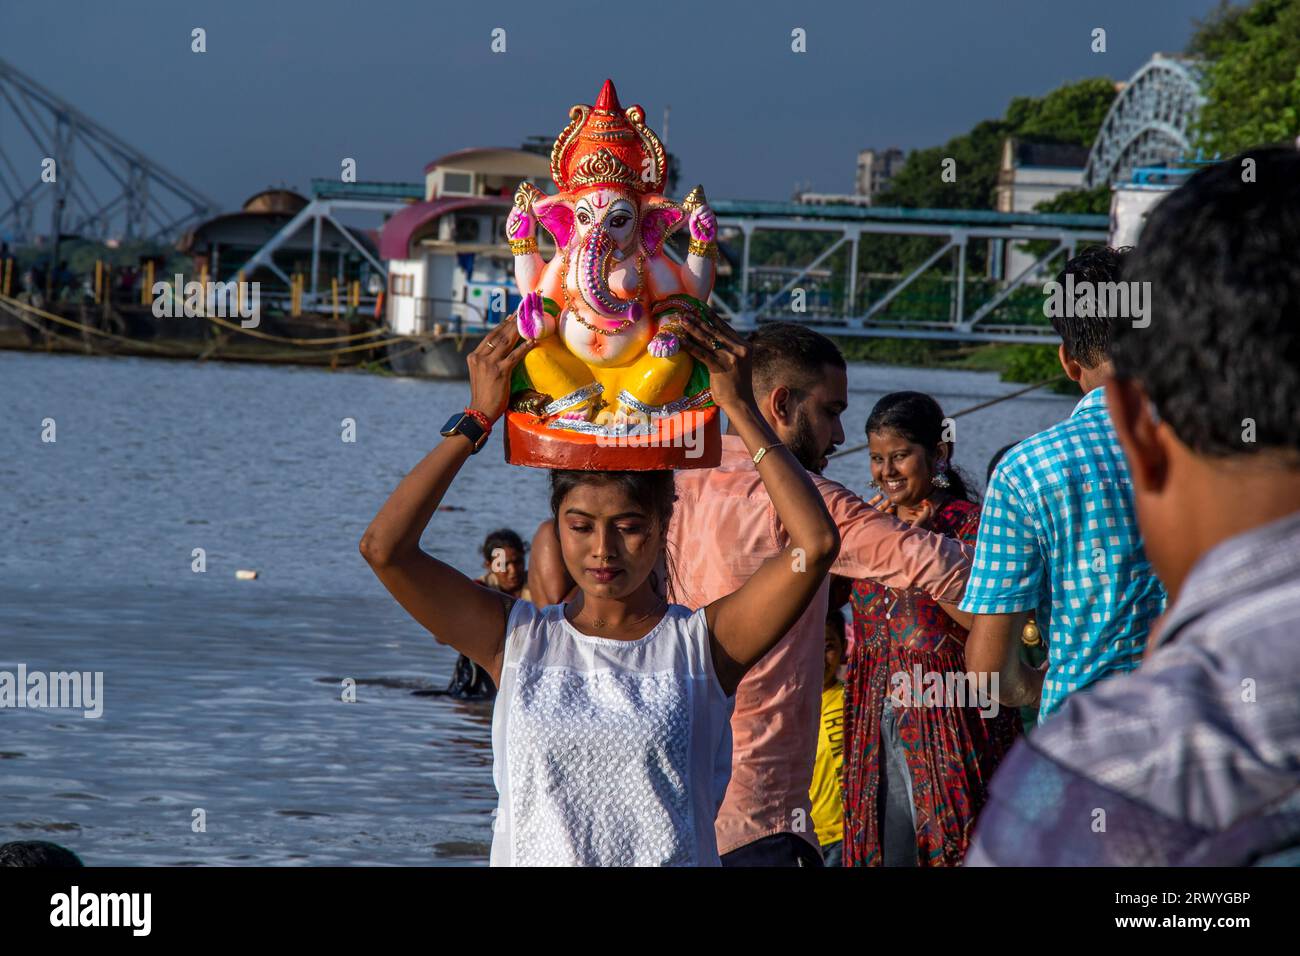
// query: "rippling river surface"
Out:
[222,699]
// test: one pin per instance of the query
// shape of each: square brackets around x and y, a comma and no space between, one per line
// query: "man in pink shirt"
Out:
[724,527]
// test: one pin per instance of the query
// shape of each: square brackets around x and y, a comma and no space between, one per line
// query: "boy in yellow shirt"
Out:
[827,811]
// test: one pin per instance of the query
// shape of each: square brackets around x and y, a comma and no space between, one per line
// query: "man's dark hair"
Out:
[1220,359]
[37,853]
[502,538]
[789,354]
[1087,338]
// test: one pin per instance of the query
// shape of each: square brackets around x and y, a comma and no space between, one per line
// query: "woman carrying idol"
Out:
[611,731]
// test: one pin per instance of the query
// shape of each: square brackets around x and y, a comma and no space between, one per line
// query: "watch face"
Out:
[468,426]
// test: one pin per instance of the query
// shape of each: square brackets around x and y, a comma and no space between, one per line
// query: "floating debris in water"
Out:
[245,575]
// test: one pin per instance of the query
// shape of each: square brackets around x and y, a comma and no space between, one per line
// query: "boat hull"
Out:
[443,357]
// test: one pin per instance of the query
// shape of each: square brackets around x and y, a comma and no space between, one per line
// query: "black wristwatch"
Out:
[464,424]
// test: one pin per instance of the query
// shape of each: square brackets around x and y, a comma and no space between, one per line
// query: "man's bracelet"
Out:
[479,417]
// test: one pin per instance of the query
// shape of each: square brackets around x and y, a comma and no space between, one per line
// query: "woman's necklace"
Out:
[627,625]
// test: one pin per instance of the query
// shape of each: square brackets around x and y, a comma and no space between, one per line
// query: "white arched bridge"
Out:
[1150,122]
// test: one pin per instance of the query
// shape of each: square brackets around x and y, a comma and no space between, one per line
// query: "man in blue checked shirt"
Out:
[1058,535]
[1194,759]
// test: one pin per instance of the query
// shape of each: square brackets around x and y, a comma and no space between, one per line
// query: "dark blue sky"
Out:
[287,89]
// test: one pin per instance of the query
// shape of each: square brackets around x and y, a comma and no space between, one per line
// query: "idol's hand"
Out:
[532,317]
[665,344]
[491,365]
[521,224]
[703,224]
[727,356]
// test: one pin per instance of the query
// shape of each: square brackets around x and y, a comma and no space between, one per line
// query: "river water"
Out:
[224,738]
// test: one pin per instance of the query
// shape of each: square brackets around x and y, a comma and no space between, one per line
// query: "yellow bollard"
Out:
[354,294]
[334,295]
[146,287]
[239,290]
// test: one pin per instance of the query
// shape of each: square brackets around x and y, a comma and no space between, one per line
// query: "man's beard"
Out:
[803,444]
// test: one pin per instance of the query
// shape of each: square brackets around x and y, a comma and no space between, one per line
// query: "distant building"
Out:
[447,256]
[831,199]
[875,170]
[486,172]
[224,243]
[1031,173]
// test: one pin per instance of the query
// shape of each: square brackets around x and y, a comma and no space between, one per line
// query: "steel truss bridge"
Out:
[142,200]
[921,303]
[328,199]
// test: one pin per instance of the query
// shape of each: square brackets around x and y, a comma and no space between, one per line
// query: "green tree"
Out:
[1069,114]
[1080,201]
[1251,76]
[1217,32]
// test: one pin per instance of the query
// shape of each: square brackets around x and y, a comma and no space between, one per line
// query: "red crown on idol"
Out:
[606,145]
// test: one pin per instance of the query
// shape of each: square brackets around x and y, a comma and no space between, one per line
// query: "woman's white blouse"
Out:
[605,752]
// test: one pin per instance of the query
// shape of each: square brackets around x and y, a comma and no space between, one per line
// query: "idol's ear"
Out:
[660,218]
[555,213]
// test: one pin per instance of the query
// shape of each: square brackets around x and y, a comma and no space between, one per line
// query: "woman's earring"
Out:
[940,478]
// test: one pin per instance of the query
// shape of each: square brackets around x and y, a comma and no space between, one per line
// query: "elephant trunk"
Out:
[593,269]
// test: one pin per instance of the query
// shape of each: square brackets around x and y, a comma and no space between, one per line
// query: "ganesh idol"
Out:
[604,311]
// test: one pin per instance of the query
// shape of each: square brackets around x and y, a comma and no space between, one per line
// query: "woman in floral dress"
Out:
[922,738]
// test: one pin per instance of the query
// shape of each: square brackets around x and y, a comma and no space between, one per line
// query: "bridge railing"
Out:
[943,295]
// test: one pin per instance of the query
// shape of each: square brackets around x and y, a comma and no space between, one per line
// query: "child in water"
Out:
[504,571]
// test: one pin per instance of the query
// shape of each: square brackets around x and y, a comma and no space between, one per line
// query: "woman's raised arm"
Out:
[455,609]
[745,624]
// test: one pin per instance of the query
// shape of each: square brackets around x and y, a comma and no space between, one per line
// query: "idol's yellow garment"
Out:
[827,811]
